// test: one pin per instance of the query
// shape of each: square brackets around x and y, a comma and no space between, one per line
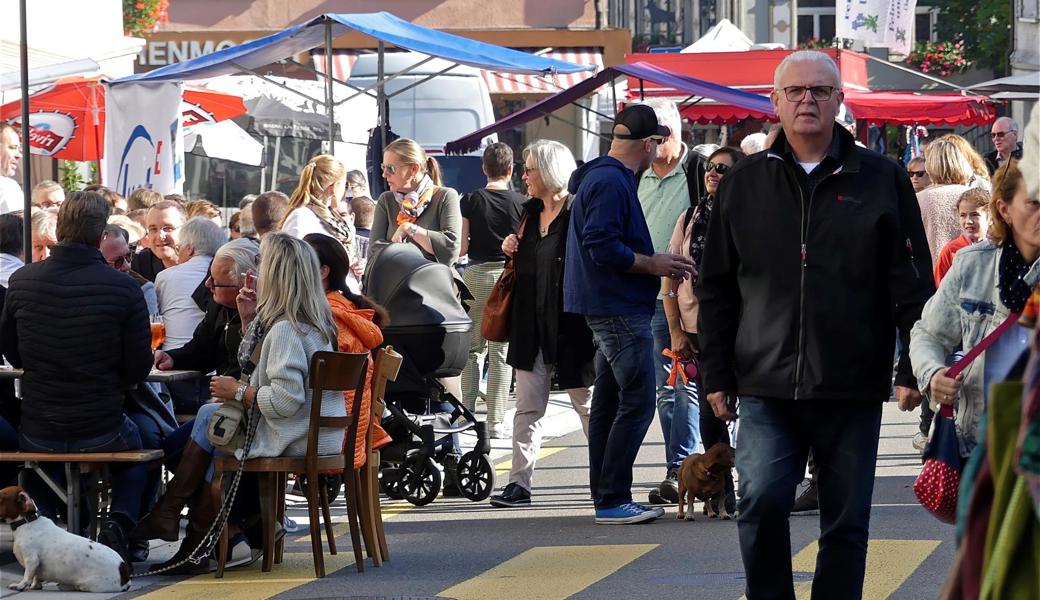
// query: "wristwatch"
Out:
[240,393]
[412,228]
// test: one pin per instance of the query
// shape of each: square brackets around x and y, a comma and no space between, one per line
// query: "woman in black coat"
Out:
[543,339]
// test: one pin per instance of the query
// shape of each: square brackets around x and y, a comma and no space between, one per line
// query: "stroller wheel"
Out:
[476,476]
[388,479]
[420,480]
[333,484]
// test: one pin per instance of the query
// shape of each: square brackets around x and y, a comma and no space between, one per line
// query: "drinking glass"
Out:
[158,331]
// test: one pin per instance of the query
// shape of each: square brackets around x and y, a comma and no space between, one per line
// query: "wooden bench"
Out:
[77,464]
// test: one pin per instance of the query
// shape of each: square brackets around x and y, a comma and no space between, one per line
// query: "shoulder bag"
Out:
[494,324]
[226,429]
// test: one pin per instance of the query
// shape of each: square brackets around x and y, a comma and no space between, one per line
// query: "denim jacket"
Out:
[964,310]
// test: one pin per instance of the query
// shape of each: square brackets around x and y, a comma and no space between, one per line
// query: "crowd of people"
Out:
[700,284]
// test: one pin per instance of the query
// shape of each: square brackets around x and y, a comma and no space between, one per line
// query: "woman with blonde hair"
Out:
[949,172]
[292,321]
[980,173]
[313,206]
[416,209]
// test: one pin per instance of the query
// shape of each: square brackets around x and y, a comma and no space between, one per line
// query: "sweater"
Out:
[284,397]
[939,215]
[442,218]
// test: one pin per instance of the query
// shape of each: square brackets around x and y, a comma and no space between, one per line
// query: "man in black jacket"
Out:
[815,255]
[80,330]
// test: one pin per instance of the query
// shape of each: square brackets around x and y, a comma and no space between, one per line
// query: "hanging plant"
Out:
[938,58]
[143,16]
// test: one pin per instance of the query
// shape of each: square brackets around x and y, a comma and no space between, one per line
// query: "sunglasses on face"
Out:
[999,135]
[795,93]
[916,173]
[390,169]
[118,261]
[719,168]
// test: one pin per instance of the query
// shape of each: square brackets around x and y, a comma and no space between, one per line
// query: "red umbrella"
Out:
[67,120]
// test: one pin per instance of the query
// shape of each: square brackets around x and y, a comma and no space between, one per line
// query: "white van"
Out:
[436,111]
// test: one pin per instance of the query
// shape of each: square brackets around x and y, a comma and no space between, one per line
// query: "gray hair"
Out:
[667,114]
[244,202]
[45,222]
[203,236]
[554,162]
[1012,125]
[243,252]
[811,56]
[752,143]
[245,221]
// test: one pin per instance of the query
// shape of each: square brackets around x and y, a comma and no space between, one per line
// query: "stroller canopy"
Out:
[416,292]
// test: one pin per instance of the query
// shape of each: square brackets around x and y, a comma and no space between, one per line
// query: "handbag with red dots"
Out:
[937,486]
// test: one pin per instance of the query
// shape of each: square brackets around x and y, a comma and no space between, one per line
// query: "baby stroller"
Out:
[430,329]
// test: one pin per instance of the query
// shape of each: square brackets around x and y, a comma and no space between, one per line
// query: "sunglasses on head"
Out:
[916,173]
[719,168]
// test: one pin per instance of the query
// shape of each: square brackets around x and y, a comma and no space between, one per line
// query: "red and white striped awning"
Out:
[497,82]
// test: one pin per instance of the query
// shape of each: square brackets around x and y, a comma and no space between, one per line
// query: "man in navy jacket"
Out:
[612,276]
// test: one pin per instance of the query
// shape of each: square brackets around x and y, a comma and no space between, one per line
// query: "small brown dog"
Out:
[702,476]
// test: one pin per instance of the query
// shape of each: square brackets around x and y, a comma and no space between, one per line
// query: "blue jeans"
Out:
[622,404]
[775,439]
[677,408]
[151,439]
[198,434]
[128,480]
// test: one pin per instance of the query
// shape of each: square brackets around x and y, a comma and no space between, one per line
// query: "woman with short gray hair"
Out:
[550,339]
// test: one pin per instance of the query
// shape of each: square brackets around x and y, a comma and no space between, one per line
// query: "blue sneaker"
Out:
[657,510]
[626,514]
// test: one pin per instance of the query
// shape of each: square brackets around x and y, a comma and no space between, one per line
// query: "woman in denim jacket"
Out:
[988,281]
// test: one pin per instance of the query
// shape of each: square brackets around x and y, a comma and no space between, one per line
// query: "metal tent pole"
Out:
[329,103]
[26,181]
[381,95]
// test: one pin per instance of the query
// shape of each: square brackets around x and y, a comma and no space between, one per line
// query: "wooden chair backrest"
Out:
[387,366]
[339,372]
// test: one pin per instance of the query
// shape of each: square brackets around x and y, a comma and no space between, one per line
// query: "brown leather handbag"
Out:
[494,325]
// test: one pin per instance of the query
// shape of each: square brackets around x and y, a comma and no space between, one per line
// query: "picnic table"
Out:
[155,376]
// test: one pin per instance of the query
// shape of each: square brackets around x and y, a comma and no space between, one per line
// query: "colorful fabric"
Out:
[1027,450]
[336,226]
[414,203]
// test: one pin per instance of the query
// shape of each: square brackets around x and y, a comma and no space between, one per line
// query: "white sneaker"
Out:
[920,441]
[500,431]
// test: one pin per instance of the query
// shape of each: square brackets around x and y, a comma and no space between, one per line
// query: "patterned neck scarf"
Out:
[414,203]
[335,225]
[1014,291]
[699,230]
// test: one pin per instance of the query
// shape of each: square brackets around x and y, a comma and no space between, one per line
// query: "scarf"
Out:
[699,230]
[414,203]
[1014,291]
[252,336]
[336,226]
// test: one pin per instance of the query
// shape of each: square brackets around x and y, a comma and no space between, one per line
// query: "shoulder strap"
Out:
[523,222]
[692,183]
[986,342]
[686,218]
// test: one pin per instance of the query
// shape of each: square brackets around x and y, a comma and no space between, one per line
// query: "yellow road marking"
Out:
[251,584]
[392,509]
[548,572]
[889,564]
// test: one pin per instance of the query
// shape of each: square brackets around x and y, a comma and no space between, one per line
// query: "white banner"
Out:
[878,23]
[144,145]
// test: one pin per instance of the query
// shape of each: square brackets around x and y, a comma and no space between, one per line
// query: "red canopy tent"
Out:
[752,71]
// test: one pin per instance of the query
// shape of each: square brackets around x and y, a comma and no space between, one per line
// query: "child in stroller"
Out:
[430,329]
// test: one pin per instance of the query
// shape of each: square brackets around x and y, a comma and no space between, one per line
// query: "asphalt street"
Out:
[552,550]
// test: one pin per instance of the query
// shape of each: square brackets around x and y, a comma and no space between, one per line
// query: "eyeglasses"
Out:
[213,284]
[916,173]
[795,93]
[656,139]
[390,169]
[118,261]
[998,135]
[719,168]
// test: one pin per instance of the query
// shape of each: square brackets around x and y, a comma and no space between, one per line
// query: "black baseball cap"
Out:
[641,121]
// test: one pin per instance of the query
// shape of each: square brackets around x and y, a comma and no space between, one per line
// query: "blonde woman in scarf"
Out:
[416,209]
[313,208]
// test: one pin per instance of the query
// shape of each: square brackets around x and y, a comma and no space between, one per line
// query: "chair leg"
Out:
[352,517]
[268,514]
[315,526]
[365,510]
[216,489]
[279,548]
[330,534]
[377,512]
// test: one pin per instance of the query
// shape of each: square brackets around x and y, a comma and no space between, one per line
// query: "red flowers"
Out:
[142,16]
[943,59]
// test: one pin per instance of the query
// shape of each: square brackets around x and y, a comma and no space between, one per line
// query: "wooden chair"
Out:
[387,365]
[329,371]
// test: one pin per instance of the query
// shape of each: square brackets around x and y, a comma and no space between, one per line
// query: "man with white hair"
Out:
[815,255]
[1004,134]
[666,191]
[11,197]
[753,143]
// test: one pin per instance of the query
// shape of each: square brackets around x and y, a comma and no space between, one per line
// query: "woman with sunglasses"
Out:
[918,176]
[417,209]
[680,302]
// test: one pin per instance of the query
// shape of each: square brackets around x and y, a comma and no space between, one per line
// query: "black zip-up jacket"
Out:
[801,294]
[80,330]
[214,345]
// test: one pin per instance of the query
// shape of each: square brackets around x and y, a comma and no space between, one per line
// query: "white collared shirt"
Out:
[174,287]
[11,197]
[9,263]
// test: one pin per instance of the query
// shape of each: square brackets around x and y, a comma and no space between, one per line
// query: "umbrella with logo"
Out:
[67,119]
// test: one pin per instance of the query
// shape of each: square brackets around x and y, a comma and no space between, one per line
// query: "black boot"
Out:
[164,522]
[113,533]
[203,513]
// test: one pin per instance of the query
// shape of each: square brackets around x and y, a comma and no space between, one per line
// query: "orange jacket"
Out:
[357,333]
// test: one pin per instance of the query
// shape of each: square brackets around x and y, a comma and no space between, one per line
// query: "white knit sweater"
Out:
[282,377]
